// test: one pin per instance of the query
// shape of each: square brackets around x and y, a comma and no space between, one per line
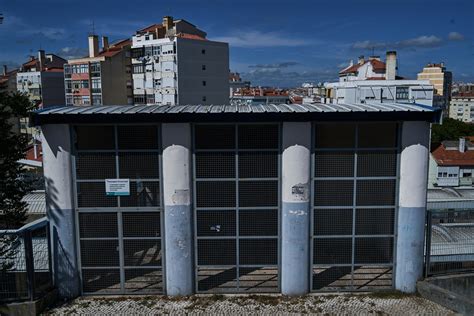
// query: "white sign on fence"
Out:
[116,187]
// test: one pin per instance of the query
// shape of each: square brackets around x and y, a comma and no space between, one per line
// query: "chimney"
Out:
[168,22]
[93,46]
[351,63]
[5,70]
[41,59]
[361,60]
[391,65]
[105,43]
[462,144]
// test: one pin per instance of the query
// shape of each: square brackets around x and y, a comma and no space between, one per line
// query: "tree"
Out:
[451,129]
[12,185]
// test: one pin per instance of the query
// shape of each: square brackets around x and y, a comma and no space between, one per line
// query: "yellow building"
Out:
[440,79]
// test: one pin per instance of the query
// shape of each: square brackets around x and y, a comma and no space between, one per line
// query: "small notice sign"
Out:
[117,187]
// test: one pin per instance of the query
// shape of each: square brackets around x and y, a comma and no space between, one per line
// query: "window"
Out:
[95,67]
[139,99]
[96,85]
[204,83]
[204,99]
[148,51]
[150,99]
[138,69]
[203,67]
[156,50]
[97,100]
[402,93]
[138,52]
[203,51]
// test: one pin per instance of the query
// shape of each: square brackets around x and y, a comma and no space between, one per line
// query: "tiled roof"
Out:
[378,66]
[191,36]
[453,157]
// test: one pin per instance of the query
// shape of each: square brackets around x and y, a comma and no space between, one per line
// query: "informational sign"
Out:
[117,187]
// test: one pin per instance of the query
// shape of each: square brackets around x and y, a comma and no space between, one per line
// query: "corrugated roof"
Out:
[244,108]
[385,111]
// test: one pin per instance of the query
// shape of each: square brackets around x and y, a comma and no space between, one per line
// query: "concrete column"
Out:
[412,205]
[56,142]
[177,211]
[295,259]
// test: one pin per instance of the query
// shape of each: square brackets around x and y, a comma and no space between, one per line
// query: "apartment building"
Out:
[371,69]
[7,80]
[461,107]
[452,163]
[374,81]
[441,79]
[102,78]
[42,79]
[174,63]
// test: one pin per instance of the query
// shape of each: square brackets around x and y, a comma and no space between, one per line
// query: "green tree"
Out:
[451,129]
[13,187]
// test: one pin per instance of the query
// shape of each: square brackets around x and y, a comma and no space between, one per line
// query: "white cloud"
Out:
[261,39]
[72,52]
[425,41]
[455,36]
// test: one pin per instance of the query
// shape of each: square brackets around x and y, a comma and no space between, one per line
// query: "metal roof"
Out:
[373,110]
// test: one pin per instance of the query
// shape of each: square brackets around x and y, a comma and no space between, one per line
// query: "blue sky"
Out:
[280,43]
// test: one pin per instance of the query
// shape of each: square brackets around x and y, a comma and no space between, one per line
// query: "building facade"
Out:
[102,78]
[173,63]
[224,199]
[453,164]
[372,69]
[461,107]
[379,91]
[441,79]
[42,80]
[8,80]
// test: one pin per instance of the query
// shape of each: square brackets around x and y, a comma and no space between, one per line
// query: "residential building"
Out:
[8,80]
[441,79]
[452,163]
[174,63]
[379,91]
[103,77]
[260,95]
[236,83]
[371,69]
[42,79]
[461,107]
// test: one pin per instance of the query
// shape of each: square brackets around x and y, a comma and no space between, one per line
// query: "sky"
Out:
[272,43]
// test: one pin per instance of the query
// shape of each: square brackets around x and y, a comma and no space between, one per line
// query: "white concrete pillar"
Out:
[295,259]
[176,139]
[412,205]
[57,167]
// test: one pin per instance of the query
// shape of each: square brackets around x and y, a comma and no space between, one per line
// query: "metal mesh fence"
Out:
[449,241]
[354,184]
[120,237]
[236,207]
[25,264]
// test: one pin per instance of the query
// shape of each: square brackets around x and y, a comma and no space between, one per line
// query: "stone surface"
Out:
[353,304]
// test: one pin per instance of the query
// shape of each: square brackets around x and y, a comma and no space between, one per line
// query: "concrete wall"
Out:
[53,88]
[190,74]
[412,205]
[60,207]
[114,80]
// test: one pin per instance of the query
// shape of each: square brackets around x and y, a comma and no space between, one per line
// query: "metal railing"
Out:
[449,242]
[25,265]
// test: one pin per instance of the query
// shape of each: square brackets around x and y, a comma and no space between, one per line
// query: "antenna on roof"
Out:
[92,27]
[373,50]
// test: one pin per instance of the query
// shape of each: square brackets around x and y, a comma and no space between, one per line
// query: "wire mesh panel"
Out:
[355,186]
[236,207]
[449,242]
[120,246]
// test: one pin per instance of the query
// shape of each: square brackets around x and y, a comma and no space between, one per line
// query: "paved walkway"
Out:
[370,304]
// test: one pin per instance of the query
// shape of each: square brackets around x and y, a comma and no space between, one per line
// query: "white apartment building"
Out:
[376,81]
[173,63]
[462,107]
[366,91]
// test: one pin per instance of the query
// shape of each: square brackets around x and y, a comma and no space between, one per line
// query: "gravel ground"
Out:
[374,304]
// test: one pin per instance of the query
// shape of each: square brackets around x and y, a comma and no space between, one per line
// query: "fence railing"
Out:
[449,241]
[25,263]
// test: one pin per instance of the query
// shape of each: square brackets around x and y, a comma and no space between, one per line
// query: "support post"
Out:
[412,205]
[176,139]
[296,157]
[60,211]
